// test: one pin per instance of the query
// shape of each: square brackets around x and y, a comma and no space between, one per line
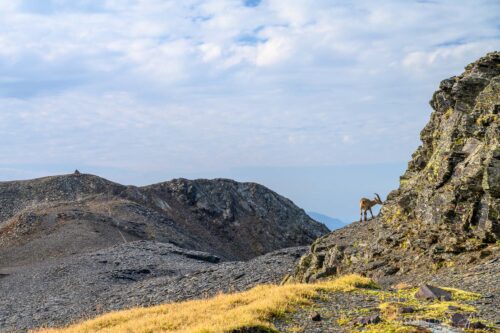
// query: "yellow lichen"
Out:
[448,113]
[441,310]
[394,215]
[296,329]
[344,320]
[405,244]
[486,119]
[461,295]
[390,327]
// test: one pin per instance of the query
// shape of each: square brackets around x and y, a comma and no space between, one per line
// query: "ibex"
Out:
[366,205]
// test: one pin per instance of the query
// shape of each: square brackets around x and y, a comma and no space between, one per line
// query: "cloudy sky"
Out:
[306,97]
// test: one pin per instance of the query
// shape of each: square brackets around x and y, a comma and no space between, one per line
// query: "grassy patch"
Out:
[440,310]
[462,295]
[390,327]
[344,320]
[394,321]
[223,313]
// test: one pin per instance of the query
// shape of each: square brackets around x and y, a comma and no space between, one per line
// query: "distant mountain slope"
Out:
[330,222]
[55,216]
[76,245]
[60,291]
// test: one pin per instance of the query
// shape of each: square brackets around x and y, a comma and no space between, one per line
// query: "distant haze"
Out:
[330,222]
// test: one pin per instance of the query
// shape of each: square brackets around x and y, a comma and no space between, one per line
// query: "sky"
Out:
[322,101]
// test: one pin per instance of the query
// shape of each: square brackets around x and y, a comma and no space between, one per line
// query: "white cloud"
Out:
[210,52]
[273,51]
[200,84]
[424,62]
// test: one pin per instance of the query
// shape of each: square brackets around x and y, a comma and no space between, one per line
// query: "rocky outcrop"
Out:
[445,213]
[77,213]
[452,183]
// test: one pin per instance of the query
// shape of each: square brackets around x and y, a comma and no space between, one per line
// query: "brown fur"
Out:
[366,205]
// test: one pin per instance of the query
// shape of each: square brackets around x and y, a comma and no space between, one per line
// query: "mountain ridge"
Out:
[234,220]
[65,239]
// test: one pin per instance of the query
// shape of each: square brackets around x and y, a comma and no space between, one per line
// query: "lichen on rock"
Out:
[447,206]
[454,176]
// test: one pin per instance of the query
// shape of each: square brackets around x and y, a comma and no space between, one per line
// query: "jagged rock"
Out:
[446,209]
[427,292]
[476,325]
[315,316]
[375,319]
[198,255]
[459,320]
[485,254]
[394,310]
[250,330]
[452,180]
[390,270]
[406,309]
[432,320]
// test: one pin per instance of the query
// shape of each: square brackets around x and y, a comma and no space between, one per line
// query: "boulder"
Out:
[459,320]
[477,325]
[428,292]
[315,316]
[394,310]
[367,320]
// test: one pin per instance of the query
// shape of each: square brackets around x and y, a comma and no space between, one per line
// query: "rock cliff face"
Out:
[57,216]
[453,179]
[446,210]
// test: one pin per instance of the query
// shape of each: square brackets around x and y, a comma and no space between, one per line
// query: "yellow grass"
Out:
[222,313]
[462,295]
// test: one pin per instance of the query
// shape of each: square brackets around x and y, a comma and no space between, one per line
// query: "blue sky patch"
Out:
[453,42]
[47,7]
[248,39]
[252,3]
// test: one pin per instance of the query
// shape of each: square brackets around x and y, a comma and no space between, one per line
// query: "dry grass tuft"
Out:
[223,313]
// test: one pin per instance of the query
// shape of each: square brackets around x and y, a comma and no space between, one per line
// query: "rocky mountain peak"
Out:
[86,212]
[445,212]
[453,179]
[16,196]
